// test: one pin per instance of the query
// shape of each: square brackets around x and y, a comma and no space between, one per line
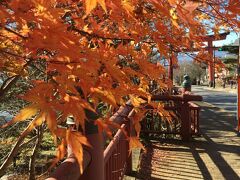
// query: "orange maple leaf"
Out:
[134,142]
[104,95]
[61,152]
[24,114]
[76,141]
[91,4]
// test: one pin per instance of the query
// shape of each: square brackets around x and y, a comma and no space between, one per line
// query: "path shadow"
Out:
[206,157]
[171,160]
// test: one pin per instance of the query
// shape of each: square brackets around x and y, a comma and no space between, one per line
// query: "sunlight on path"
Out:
[215,155]
[169,161]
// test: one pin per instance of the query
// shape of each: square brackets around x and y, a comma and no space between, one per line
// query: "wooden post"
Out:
[238,94]
[129,154]
[95,170]
[130,132]
[69,169]
[170,69]
[170,72]
[186,123]
[210,65]
[214,72]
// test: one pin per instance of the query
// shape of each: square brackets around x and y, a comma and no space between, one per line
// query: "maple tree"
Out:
[96,51]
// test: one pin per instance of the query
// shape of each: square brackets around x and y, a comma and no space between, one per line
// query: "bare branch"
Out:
[23,145]
[8,84]
[34,153]
[12,154]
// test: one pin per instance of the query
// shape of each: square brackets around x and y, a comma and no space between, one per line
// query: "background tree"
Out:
[195,70]
[231,61]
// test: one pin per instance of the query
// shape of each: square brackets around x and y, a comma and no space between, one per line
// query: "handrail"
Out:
[69,169]
[116,156]
[70,164]
[183,97]
[109,150]
[115,148]
[192,104]
[184,115]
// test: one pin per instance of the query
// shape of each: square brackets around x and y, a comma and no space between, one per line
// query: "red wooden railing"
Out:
[115,161]
[194,116]
[184,117]
[117,157]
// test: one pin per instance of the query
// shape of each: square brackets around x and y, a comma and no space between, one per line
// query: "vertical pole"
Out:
[128,153]
[186,122]
[210,66]
[95,171]
[238,94]
[170,68]
[170,72]
[198,119]
[214,57]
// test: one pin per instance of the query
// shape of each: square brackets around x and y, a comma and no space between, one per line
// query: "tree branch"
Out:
[12,153]
[216,17]
[8,84]
[34,153]
[23,145]
[14,32]
[12,54]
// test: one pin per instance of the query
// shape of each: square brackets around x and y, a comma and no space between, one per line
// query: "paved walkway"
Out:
[226,89]
[215,155]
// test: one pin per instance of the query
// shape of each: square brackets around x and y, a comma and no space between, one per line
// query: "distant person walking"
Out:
[186,85]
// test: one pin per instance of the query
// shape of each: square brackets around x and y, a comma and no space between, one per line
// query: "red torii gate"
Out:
[210,48]
[209,39]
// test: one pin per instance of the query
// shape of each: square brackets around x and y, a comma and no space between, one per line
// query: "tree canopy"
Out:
[93,51]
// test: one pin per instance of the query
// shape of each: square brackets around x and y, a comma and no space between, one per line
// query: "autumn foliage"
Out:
[98,51]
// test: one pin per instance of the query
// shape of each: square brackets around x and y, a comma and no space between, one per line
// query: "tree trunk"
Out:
[32,172]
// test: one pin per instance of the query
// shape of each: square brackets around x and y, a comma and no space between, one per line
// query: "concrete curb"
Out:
[233,91]
[204,104]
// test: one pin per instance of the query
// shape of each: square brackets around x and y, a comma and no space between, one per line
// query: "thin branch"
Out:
[13,153]
[23,145]
[6,82]
[221,16]
[32,172]
[201,60]
[89,35]
[13,80]
[12,54]
[38,69]
[14,32]
[8,85]
[15,42]
[19,145]
[64,63]
[216,17]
